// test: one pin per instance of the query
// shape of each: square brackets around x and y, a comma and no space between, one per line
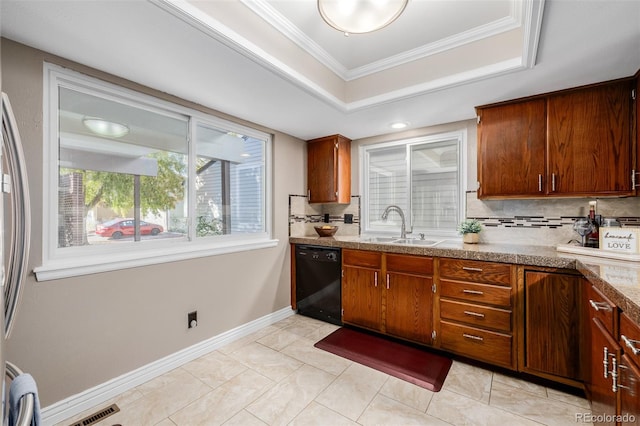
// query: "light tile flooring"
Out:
[277,377]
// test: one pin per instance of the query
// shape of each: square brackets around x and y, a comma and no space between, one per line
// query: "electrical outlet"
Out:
[192,319]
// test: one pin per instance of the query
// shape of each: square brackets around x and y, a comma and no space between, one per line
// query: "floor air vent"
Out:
[96,417]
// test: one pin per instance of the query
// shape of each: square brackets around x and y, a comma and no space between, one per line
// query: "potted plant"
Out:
[470,229]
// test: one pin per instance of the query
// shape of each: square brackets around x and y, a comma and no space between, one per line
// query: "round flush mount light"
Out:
[105,128]
[399,125]
[360,16]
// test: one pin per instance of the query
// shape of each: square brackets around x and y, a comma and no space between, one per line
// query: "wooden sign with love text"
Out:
[621,240]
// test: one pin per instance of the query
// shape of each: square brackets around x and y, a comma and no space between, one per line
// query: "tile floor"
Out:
[277,377]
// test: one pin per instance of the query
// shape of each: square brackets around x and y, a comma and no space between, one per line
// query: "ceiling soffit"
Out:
[257,30]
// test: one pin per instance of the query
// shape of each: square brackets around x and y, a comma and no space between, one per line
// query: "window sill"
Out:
[65,268]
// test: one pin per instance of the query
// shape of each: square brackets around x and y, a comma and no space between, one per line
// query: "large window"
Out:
[423,176]
[133,180]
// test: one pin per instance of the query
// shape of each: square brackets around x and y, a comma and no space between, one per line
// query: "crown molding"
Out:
[523,14]
[477,74]
[532,23]
[449,43]
[204,22]
[270,15]
[527,14]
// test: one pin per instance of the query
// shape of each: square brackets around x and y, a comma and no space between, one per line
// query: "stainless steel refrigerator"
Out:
[14,247]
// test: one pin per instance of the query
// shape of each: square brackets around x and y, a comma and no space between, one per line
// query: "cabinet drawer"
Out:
[476,343]
[477,271]
[410,264]
[477,293]
[599,306]
[367,259]
[476,315]
[630,338]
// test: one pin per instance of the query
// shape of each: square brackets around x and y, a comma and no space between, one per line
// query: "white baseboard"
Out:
[78,403]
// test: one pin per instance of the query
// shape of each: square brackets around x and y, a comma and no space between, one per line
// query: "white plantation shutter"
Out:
[422,176]
[435,186]
[247,195]
[388,183]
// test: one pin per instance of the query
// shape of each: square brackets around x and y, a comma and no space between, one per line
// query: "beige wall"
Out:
[73,334]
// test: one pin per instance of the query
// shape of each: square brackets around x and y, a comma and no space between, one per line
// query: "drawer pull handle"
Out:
[474,314]
[472,337]
[599,306]
[631,388]
[631,344]
[472,291]
[467,268]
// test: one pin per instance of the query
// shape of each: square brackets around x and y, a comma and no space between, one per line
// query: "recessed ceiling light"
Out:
[105,128]
[399,125]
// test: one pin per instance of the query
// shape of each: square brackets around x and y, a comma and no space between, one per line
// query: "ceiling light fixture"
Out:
[105,128]
[399,125]
[360,16]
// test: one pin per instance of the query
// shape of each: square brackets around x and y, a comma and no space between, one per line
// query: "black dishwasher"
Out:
[318,283]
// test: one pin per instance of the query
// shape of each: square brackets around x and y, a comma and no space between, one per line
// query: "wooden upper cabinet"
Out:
[511,145]
[329,169]
[590,150]
[636,169]
[571,143]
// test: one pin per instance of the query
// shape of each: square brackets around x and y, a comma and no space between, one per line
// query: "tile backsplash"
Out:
[544,222]
[304,216]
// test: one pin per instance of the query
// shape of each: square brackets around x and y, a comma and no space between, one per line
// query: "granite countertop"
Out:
[618,280]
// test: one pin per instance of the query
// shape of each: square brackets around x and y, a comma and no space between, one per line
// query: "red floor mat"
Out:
[418,366]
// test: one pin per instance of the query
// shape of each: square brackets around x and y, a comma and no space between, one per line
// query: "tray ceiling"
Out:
[277,64]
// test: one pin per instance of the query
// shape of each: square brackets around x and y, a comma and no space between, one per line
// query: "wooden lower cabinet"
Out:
[361,289]
[388,293]
[612,357]
[409,297]
[552,326]
[477,343]
[629,388]
[629,371]
[605,353]
[476,302]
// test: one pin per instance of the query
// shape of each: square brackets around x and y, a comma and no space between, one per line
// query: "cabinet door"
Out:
[589,141]
[600,384]
[511,144]
[409,300]
[629,388]
[552,323]
[322,165]
[629,370]
[636,167]
[329,169]
[362,297]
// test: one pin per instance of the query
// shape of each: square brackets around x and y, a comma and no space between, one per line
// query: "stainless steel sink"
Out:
[378,239]
[403,241]
[416,242]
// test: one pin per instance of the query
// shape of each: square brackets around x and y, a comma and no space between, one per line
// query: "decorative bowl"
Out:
[326,230]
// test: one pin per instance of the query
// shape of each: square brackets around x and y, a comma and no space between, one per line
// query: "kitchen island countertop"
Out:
[618,280]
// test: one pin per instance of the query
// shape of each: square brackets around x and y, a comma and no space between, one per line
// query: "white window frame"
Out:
[74,261]
[363,157]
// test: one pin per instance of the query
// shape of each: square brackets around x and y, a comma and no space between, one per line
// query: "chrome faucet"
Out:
[393,207]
